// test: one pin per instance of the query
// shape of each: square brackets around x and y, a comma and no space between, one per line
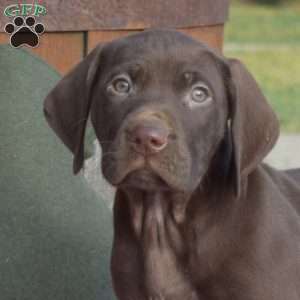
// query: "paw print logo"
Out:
[24,32]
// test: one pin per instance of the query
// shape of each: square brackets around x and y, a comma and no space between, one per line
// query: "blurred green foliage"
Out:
[249,23]
[267,40]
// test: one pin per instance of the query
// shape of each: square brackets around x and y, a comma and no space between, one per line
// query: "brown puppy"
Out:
[183,132]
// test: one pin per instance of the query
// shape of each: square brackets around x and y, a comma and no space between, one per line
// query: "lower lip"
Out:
[144,179]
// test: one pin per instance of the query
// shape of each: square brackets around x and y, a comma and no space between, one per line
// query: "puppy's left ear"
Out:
[254,125]
[67,106]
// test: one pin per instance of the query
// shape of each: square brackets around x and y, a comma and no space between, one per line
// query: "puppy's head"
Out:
[163,107]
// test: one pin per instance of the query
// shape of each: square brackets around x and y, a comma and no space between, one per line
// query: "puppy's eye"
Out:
[120,86]
[200,94]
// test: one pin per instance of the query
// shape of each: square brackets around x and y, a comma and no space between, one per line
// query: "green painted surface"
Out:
[55,232]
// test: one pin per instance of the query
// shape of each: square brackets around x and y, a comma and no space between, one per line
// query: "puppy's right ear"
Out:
[67,106]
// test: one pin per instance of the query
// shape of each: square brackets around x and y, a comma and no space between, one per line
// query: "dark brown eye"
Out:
[121,86]
[200,94]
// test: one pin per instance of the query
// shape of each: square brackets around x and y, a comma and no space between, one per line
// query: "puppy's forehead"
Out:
[155,45]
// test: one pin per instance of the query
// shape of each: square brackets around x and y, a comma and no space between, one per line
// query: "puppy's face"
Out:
[160,103]
[159,109]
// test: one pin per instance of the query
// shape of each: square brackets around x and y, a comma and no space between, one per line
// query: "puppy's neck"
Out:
[157,206]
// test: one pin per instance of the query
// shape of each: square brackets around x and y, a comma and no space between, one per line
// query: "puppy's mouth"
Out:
[168,169]
[144,179]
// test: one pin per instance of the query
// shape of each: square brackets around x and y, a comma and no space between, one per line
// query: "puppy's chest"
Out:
[164,251]
[175,266]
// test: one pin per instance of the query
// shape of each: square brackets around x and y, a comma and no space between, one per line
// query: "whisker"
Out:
[105,141]
[72,126]
[110,152]
[78,122]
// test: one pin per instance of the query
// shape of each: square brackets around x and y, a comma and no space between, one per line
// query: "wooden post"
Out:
[68,39]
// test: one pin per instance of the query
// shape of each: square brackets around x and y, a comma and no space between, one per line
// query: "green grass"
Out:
[267,40]
[264,24]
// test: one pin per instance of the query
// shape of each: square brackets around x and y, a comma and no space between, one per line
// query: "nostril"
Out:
[138,141]
[157,142]
[148,139]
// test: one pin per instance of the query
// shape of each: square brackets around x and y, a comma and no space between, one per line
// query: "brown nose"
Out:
[149,139]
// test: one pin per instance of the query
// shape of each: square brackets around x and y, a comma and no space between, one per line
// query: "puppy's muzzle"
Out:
[148,137]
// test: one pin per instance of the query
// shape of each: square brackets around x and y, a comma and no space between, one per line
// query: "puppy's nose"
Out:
[149,139]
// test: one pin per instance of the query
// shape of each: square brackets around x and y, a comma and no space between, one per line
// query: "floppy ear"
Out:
[254,126]
[67,106]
